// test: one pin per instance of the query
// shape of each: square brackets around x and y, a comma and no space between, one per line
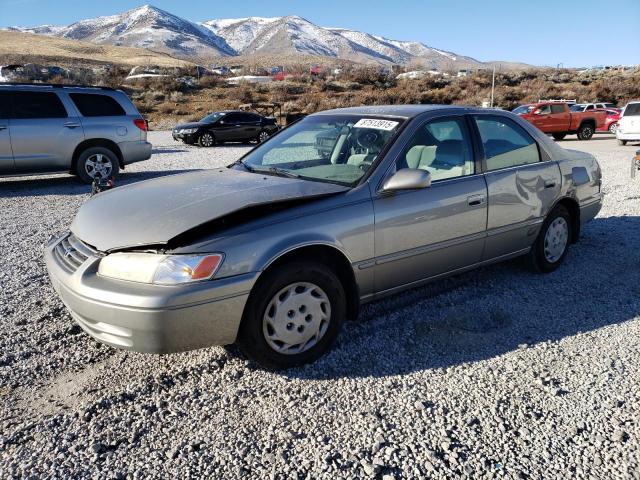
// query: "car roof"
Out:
[53,86]
[406,111]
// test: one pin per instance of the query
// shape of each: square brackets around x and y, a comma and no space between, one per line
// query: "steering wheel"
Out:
[368,139]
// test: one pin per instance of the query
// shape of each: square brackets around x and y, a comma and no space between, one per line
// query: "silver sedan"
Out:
[344,207]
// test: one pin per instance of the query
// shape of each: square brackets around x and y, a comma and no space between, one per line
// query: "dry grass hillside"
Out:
[18,47]
[166,102]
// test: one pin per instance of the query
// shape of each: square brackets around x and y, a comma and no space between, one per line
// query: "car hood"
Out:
[189,125]
[153,212]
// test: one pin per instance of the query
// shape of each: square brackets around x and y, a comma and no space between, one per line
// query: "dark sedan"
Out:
[227,126]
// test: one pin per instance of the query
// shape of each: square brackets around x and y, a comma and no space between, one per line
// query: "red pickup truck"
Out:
[557,119]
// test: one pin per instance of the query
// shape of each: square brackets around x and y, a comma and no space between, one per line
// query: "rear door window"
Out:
[96,105]
[232,118]
[505,143]
[557,108]
[29,105]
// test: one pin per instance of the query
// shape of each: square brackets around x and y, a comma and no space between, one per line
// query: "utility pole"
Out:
[493,84]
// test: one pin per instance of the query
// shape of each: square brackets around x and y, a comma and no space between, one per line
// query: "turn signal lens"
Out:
[186,268]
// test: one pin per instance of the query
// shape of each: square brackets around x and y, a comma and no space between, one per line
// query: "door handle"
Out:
[476,200]
[549,184]
[3,127]
[72,125]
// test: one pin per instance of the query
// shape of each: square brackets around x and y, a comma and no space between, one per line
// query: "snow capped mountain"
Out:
[239,33]
[153,28]
[146,27]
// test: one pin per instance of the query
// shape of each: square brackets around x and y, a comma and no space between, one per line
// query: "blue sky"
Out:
[541,32]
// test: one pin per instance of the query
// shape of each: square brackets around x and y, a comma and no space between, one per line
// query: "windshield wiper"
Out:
[281,172]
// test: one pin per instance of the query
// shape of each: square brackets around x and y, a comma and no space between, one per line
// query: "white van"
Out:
[629,125]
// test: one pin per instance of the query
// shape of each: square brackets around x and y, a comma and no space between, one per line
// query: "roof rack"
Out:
[558,100]
[53,85]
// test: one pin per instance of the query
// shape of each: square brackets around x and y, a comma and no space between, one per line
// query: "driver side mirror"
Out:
[407,179]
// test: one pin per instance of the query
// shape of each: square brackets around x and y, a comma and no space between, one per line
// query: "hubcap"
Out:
[263,136]
[556,239]
[296,318]
[613,127]
[98,165]
[207,140]
[586,133]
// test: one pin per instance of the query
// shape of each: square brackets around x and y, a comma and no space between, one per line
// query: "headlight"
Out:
[160,269]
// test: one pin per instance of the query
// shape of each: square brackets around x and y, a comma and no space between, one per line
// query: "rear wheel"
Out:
[551,246]
[97,162]
[585,132]
[263,136]
[613,127]
[206,140]
[622,143]
[559,136]
[293,315]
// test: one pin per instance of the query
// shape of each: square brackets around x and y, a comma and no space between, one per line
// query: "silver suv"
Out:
[90,132]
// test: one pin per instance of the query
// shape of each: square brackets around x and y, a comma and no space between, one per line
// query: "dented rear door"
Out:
[522,186]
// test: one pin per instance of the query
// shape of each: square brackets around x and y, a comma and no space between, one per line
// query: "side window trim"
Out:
[542,157]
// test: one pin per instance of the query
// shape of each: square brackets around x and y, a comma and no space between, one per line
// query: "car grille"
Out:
[71,253]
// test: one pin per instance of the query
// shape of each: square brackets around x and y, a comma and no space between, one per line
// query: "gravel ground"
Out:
[495,373]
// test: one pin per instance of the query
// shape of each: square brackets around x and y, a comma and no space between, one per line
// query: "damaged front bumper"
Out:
[142,317]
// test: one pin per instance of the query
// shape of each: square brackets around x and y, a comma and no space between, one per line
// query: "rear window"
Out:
[37,105]
[632,110]
[96,105]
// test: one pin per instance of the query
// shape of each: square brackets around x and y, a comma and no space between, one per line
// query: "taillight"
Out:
[142,124]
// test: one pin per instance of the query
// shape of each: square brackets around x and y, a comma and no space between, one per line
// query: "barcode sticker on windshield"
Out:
[375,123]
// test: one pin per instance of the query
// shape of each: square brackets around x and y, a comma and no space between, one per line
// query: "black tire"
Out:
[99,160]
[538,259]
[559,136]
[251,337]
[622,143]
[206,139]
[585,132]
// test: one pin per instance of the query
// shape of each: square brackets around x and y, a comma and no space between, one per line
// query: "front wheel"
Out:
[206,140]
[293,315]
[97,162]
[585,132]
[559,136]
[551,246]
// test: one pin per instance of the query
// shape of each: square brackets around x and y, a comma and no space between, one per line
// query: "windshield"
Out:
[577,108]
[212,117]
[632,110]
[326,148]
[523,109]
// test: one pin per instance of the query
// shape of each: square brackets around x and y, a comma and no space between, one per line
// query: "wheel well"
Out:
[96,142]
[588,121]
[334,259]
[574,211]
